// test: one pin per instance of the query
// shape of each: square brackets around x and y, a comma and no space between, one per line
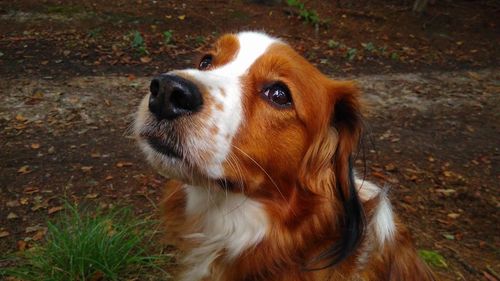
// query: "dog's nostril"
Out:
[154,87]
[180,99]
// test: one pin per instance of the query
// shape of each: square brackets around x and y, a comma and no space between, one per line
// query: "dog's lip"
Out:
[164,148]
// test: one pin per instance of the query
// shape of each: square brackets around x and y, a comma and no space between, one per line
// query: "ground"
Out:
[73,73]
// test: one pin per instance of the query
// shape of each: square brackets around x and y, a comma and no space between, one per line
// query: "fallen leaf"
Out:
[145,59]
[12,204]
[86,169]
[37,96]
[51,150]
[20,118]
[55,209]
[35,228]
[95,155]
[4,234]
[181,17]
[39,235]
[448,174]
[12,216]
[24,201]
[35,145]
[91,195]
[379,175]
[446,192]
[108,178]
[21,245]
[390,167]
[31,190]
[474,75]
[453,215]
[24,170]
[39,205]
[449,236]
[470,128]
[123,164]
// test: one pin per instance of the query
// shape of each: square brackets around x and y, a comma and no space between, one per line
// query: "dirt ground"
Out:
[72,73]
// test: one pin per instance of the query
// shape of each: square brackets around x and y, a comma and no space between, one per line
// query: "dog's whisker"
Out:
[267,174]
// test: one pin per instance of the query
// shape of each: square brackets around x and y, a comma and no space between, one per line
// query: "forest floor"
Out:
[73,73]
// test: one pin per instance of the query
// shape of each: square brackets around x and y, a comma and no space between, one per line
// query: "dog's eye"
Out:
[205,62]
[278,94]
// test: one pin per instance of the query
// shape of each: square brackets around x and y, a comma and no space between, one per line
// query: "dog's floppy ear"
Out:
[345,129]
[347,120]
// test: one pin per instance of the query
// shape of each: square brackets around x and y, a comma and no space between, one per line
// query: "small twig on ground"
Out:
[492,272]
[464,263]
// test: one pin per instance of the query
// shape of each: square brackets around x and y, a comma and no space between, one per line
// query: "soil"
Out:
[73,73]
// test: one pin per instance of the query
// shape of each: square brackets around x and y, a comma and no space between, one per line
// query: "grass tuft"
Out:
[433,258]
[83,246]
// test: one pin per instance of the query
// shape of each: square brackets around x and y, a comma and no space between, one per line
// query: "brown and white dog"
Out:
[260,145]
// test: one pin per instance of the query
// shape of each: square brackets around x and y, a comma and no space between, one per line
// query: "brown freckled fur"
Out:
[302,153]
[219,106]
[214,130]
[222,92]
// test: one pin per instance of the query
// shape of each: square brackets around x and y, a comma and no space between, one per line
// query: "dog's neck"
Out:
[229,223]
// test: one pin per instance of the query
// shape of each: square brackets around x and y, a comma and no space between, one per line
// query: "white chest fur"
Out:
[230,224]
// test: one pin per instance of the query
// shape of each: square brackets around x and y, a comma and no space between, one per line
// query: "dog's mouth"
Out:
[163,147]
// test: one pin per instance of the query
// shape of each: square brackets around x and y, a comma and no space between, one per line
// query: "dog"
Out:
[259,146]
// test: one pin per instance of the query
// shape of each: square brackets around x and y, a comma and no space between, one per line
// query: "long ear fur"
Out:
[347,122]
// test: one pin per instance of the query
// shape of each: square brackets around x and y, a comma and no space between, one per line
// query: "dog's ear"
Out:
[342,139]
[347,121]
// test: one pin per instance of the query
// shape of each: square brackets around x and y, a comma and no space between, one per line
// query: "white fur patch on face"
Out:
[224,85]
[382,223]
[231,223]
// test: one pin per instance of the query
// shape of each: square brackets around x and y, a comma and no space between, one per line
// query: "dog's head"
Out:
[253,112]
[254,117]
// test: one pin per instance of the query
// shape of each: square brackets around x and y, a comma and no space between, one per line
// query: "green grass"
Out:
[168,35]
[351,53]
[138,43]
[308,16]
[82,246]
[433,258]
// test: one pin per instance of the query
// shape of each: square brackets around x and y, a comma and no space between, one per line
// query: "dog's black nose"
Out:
[173,96]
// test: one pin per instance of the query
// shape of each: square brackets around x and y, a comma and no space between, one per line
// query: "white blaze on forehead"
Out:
[224,85]
[252,46]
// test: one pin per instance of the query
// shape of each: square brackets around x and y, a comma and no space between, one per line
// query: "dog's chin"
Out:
[164,148]
[169,162]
